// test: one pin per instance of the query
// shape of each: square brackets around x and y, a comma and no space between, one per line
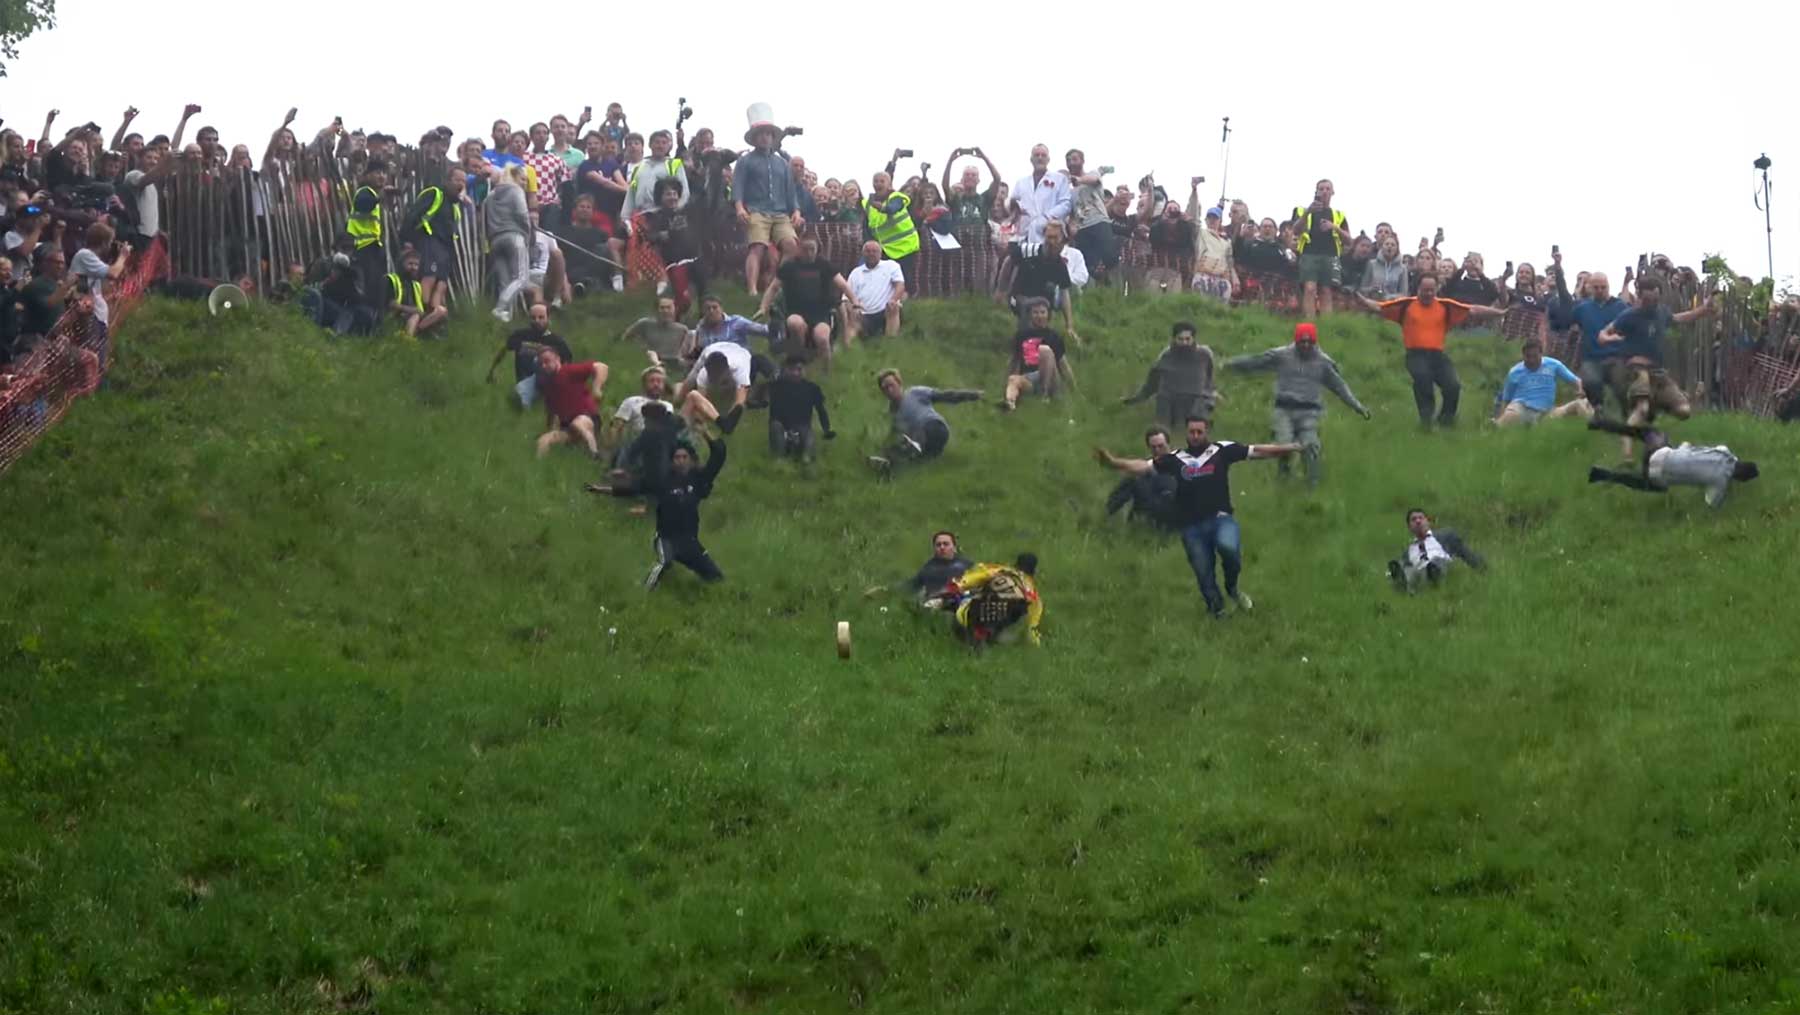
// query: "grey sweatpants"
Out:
[1298,426]
[511,268]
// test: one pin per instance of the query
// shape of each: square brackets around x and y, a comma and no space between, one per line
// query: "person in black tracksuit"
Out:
[678,496]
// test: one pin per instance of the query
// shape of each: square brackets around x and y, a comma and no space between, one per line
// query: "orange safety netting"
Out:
[70,361]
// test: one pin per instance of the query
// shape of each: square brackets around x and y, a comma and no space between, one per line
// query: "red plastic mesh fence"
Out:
[69,362]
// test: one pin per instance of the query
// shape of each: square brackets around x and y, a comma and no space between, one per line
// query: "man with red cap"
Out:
[1302,376]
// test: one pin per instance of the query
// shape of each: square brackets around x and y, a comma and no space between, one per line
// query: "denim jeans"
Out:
[1205,539]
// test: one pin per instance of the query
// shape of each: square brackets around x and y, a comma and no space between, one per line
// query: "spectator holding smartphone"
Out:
[1089,221]
[1319,234]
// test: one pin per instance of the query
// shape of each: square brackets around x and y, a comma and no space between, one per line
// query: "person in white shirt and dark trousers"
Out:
[1430,554]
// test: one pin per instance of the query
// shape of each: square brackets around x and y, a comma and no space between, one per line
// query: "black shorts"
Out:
[437,258]
[814,316]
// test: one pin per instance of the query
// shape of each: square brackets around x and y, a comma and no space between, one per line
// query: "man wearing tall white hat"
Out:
[768,205]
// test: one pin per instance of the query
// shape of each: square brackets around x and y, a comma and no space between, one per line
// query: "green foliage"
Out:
[18,19]
[319,693]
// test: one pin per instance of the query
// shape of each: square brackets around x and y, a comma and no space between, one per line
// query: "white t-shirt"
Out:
[631,412]
[736,355]
[92,270]
[874,287]
[149,211]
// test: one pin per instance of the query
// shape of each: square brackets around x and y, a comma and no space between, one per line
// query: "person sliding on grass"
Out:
[920,431]
[678,498]
[793,400]
[572,394]
[1302,376]
[1429,555]
[1181,379]
[987,600]
[525,344]
[1202,510]
[1039,359]
[1711,467]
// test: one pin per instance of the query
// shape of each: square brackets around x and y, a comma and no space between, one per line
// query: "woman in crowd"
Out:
[508,226]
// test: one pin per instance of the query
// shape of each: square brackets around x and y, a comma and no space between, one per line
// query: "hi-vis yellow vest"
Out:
[418,292]
[896,233]
[364,229]
[1305,236]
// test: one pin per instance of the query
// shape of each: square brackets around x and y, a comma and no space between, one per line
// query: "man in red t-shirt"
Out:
[572,394]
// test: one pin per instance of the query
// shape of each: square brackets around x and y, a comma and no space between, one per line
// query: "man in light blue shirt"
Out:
[715,325]
[1530,390]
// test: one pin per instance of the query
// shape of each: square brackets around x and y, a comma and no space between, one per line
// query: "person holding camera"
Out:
[1088,218]
[967,201]
[640,185]
[1319,234]
[768,206]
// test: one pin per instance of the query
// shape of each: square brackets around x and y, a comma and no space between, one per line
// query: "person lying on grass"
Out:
[989,600]
[1430,554]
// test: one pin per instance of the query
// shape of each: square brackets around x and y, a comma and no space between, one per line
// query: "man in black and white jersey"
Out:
[1202,509]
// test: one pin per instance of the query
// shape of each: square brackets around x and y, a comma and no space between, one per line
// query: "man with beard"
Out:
[1302,375]
[1202,512]
[1181,379]
[525,344]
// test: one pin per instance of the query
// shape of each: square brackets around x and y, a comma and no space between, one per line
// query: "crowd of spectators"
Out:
[564,200]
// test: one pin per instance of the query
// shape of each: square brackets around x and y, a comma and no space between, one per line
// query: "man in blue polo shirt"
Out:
[1530,390]
[1597,309]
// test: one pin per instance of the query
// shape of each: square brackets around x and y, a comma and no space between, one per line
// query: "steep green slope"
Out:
[322,694]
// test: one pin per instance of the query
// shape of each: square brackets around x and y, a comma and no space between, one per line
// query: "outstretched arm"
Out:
[1265,360]
[950,395]
[1131,466]
[1152,384]
[1273,450]
[715,460]
[275,138]
[118,138]
[187,113]
[1339,387]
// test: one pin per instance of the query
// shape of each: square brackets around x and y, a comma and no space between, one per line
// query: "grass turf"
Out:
[322,694]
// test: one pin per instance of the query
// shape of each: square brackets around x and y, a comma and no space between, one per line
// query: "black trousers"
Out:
[1431,372]
[687,552]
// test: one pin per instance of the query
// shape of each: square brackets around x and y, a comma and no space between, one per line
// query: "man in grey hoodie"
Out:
[1302,375]
[1181,379]
[509,234]
[920,431]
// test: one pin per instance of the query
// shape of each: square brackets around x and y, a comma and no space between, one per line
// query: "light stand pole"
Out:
[1225,174]
[1763,163]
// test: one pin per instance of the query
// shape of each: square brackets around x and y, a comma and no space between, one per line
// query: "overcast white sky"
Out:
[1609,128]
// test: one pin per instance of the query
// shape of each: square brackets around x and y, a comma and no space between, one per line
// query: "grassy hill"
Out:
[321,694]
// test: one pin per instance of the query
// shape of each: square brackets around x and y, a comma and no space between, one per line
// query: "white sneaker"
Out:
[912,446]
[503,315]
[882,466]
[556,304]
[662,287]
[1243,601]
[618,282]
